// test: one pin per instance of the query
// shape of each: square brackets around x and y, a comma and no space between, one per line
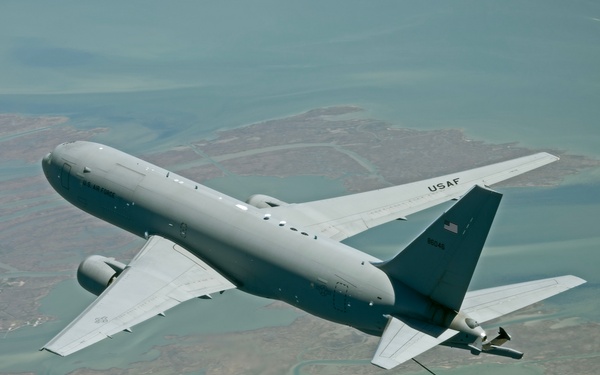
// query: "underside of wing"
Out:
[487,304]
[403,340]
[346,216]
[162,275]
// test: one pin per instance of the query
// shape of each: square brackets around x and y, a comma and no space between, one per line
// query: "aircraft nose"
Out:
[47,163]
[50,161]
[47,158]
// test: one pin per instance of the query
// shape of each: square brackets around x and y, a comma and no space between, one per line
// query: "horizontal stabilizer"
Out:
[487,304]
[406,339]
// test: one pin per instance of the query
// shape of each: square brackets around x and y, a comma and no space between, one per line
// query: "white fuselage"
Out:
[261,253]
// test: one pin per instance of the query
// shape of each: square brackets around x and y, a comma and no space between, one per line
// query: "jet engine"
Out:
[264,201]
[96,273]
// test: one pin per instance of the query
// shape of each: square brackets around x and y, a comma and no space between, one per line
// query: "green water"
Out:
[504,72]
[157,75]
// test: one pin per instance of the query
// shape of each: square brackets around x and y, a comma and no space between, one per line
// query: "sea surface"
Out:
[158,75]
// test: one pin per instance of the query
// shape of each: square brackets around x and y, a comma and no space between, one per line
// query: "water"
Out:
[503,72]
[155,76]
[233,311]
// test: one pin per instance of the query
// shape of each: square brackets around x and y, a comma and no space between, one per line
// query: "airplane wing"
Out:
[346,216]
[487,304]
[403,340]
[162,275]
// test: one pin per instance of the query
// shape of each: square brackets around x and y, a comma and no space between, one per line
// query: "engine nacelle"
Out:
[264,201]
[96,273]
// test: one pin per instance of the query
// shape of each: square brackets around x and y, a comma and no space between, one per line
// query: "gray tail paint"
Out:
[441,261]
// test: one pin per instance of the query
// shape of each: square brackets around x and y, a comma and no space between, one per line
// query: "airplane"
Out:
[200,242]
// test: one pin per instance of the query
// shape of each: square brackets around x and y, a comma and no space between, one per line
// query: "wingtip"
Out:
[551,158]
[51,351]
[571,281]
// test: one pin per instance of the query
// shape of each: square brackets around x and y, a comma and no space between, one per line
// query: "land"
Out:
[43,238]
[338,143]
[313,346]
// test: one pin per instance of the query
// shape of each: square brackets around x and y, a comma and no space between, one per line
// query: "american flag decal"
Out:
[450,226]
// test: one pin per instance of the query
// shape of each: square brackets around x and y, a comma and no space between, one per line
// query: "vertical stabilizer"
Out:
[440,262]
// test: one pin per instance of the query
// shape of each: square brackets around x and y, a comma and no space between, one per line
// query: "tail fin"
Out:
[440,262]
